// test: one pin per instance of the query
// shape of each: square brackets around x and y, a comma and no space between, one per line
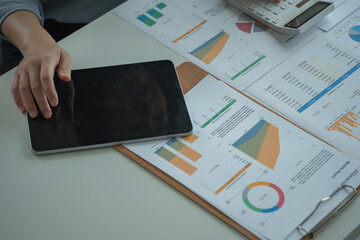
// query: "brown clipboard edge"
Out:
[189,75]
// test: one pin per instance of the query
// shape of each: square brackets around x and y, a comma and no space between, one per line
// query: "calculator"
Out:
[289,16]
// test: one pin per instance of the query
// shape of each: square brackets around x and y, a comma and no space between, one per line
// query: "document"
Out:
[342,9]
[256,167]
[227,43]
[348,31]
[318,88]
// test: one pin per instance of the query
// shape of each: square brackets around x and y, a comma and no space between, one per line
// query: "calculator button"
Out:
[270,7]
[262,12]
[276,20]
[284,6]
[260,2]
[291,1]
[245,2]
[276,11]
[254,6]
[269,16]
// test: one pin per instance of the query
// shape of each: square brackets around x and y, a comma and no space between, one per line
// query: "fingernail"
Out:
[32,113]
[47,114]
[22,109]
[53,102]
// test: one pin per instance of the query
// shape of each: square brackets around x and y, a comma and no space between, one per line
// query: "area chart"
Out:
[261,142]
[208,51]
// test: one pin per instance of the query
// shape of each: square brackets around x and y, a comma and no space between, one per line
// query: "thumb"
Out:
[64,67]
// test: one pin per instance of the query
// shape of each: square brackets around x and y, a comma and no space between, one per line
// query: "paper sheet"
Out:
[253,165]
[342,9]
[348,31]
[319,88]
[218,38]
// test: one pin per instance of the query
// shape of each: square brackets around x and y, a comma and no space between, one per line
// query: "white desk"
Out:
[101,194]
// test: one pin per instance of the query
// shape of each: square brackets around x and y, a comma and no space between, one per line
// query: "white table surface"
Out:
[101,194]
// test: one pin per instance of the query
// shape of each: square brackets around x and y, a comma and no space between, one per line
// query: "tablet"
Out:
[112,105]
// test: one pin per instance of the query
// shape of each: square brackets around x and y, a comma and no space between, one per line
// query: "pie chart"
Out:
[354,33]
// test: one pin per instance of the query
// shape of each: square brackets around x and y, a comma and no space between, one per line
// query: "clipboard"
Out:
[189,75]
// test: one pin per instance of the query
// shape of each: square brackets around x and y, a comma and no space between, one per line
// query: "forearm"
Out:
[24,30]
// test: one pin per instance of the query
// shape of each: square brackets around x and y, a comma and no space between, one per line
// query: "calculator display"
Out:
[307,15]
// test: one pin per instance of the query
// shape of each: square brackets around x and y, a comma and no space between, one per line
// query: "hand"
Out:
[34,78]
[64,111]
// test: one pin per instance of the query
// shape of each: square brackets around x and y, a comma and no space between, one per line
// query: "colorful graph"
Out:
[233,178]
[191,138]
[153,13]
[176,161]
[218,113]
[208,51]
[263,210]
[156,14]
[346,125]
[249,25]
[161,5]
[184,149]
[354,33]
[190,31]
[145,19]
[261,142]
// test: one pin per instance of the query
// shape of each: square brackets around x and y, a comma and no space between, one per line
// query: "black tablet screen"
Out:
[111,105]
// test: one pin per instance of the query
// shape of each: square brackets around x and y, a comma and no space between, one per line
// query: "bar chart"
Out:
[176,160]
[348,124]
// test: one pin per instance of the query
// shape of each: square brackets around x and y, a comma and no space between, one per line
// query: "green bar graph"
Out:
[154,13]
[161,5]
[145,19]
[248,67]
[218,114]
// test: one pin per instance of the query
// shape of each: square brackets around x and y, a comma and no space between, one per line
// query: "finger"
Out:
[64,67]
[16,93]
[27,98]
[67,109]
[47,81]
[38,92]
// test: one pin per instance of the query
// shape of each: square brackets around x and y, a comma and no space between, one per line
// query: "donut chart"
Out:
[263,210]
[354,33]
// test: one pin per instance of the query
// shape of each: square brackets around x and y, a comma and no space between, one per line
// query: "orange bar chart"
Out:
[184,149]
[233,178]
[191,138]
[176,160]
[190,31]
[346,124]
